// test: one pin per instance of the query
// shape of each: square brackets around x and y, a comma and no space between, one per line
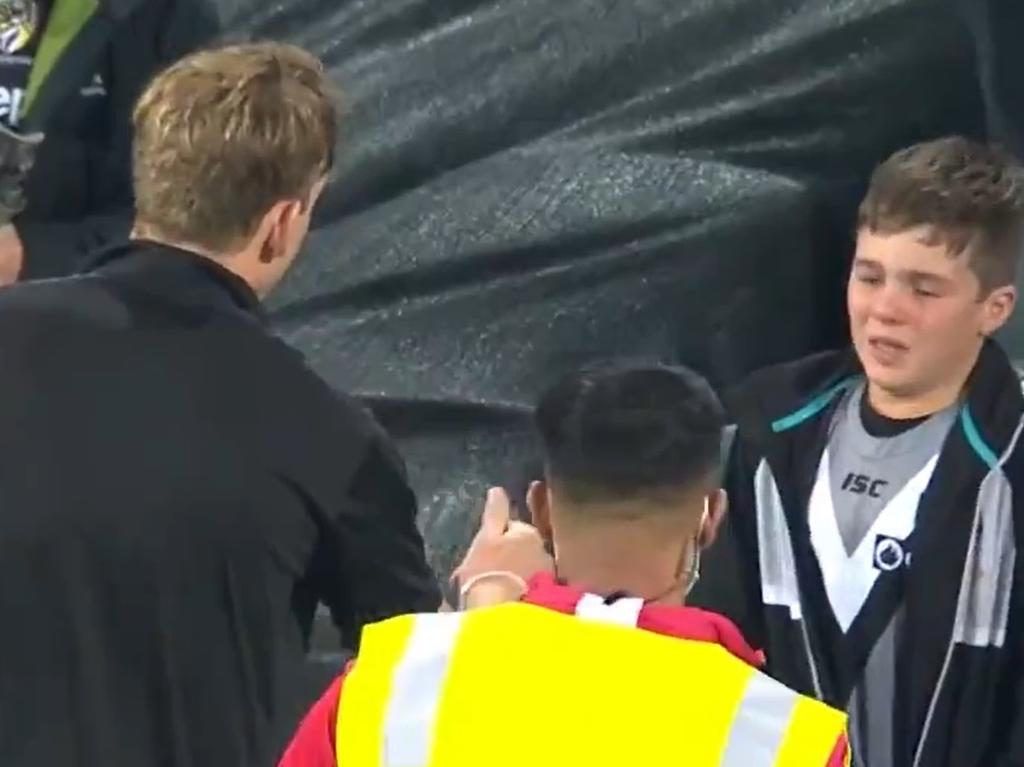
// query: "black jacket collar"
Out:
[994,396]
[993,393]
[179,276]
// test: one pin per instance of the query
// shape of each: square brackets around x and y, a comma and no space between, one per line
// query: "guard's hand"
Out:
[502,544]
[12,255]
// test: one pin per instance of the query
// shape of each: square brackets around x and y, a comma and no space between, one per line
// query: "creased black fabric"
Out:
[526,185]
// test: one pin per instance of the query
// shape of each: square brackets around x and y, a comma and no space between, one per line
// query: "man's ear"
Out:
[539,502]
[718,507]
[278,224]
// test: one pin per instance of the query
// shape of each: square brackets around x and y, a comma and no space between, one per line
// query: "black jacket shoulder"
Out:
[777,391]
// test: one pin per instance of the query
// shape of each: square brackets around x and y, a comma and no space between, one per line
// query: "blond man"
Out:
[178,490]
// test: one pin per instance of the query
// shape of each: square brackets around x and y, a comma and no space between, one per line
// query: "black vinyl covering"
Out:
[525,185]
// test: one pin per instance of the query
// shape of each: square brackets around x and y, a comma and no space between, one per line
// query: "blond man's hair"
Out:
[223,135]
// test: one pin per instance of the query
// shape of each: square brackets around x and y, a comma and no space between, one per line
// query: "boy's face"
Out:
[918,315]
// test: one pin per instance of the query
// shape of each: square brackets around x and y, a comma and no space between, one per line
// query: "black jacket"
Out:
[177,491]
[960,674]
[79,192]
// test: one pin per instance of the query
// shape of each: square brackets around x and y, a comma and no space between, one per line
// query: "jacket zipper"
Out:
[815,680]
[926,729]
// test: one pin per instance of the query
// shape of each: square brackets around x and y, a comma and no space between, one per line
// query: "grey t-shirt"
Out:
[866,472]
[870,476]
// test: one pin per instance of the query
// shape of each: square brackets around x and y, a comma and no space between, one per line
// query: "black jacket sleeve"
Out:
[729,582]
[379,568]
[1008,750]
[159,33]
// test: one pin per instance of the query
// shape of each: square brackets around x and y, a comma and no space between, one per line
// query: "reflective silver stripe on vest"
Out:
[774,546]
[983,608]
[416,690]
[760,723]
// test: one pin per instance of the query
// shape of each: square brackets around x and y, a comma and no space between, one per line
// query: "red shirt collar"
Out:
[680,622]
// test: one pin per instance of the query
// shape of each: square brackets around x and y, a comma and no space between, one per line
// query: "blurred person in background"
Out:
[598,650]
[70,71]
[178,489]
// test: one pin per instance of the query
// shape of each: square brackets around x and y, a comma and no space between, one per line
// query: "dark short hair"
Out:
[968,193]
[620,432]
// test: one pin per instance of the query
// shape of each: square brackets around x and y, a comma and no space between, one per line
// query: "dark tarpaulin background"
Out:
[526,184]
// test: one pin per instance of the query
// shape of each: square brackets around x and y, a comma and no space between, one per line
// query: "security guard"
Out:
[610,670]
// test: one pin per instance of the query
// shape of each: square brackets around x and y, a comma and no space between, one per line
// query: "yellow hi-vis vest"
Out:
[523,686]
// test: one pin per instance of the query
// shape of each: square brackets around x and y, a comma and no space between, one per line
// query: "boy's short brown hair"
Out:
[223,135]
[969,194]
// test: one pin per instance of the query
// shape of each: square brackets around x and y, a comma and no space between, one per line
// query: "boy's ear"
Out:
[539,502]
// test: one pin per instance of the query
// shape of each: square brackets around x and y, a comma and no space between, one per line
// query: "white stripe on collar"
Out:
[622,612]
